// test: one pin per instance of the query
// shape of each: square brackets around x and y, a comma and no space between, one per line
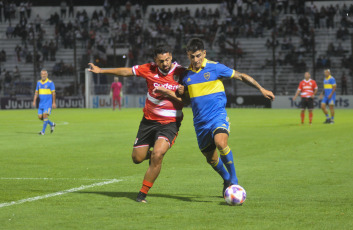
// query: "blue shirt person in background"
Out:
[328,96]
[45,90]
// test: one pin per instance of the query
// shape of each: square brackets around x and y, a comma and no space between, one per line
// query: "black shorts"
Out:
[307,102]
[150,131]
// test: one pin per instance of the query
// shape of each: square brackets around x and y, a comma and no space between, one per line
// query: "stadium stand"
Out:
[134,29]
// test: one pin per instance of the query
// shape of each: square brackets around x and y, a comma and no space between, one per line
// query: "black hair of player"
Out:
[194,45]
[162,49]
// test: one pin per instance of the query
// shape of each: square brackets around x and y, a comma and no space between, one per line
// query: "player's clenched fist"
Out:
[94,68]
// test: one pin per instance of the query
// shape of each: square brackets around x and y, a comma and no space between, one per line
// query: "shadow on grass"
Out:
[132,196]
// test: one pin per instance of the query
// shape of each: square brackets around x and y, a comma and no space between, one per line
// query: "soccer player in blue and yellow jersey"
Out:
[46,91]
[328,96]
[203,82]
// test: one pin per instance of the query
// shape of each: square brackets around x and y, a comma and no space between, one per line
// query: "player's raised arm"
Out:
[251,82]
[123,71]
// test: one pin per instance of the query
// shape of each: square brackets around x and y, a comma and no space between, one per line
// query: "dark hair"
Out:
[194,45]
[162,49]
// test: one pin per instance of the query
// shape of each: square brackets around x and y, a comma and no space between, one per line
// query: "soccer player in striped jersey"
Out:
[162,114]
[328,96]
[203,82]
[45,90]
[307,89]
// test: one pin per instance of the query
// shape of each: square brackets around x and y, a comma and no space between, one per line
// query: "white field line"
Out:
[45,178]
[59,193]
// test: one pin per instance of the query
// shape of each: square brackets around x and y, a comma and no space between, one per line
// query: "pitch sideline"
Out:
[82,187]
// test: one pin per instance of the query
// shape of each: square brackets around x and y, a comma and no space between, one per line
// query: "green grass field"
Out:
[296,177]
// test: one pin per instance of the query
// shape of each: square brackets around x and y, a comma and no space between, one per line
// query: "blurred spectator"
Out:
[1,9]
[71,8]
[28,8]
[2,56]
[18,52]
[16,74]
[9,31]
[330,49]
[29,58]
[52,50]
[37,22]
[63,6]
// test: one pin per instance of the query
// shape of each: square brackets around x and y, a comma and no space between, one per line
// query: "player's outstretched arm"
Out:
[251,82]
[123,71]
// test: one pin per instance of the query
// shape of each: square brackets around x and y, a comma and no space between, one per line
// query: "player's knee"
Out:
[136,158]
[40,117]
[157,155]
[221,144]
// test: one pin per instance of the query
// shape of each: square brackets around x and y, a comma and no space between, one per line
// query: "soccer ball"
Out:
[235,195]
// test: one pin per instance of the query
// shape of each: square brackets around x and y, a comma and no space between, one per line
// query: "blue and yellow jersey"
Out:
[328,85]
[45,90]
[206,90]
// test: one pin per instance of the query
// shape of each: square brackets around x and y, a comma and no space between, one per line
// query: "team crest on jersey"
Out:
[207,75]
[46,86]
[188,80]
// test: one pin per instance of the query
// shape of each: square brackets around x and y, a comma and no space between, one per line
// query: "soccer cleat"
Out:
[226,184]
[328,121]
[141,197]
[41,133]
[332,122]
[52,128]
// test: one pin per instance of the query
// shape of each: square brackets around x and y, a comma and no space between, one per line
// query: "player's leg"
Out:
[45,123]
[140,154]
[302,112]
[332,112]
[221,141]
[114,102]
[119,102]
[217,164]
[165,136]
[144,139]
[159,150]
[310,108]
[323,107]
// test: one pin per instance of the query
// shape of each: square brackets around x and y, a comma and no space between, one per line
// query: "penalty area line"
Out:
[83,187]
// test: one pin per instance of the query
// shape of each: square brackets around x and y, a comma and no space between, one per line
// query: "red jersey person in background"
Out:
[162,112]
[307,90]
[115,91]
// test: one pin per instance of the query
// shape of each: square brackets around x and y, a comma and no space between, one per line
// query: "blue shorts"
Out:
[46,110]
[331,101]
[205,133]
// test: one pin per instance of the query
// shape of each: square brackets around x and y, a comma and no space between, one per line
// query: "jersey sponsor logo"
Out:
[207,75]
[167,86]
